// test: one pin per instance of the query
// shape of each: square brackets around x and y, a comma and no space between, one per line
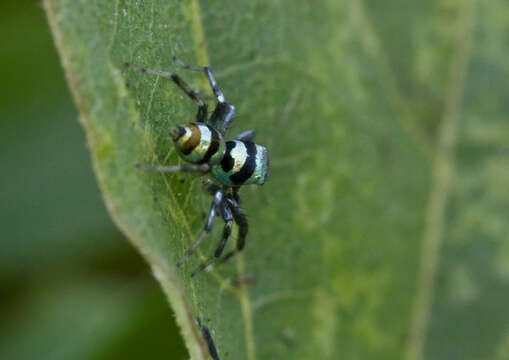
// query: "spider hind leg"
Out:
[218,94]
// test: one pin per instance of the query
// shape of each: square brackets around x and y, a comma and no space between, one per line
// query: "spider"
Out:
[225,164]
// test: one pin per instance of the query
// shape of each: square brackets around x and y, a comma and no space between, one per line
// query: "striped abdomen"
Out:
[198,143]
[244,162]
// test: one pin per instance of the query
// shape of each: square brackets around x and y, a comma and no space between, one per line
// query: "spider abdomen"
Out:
[244,162]
[198,143]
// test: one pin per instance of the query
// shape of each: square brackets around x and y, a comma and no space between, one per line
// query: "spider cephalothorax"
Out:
[226,165]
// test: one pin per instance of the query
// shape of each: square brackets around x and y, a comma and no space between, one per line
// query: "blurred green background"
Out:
[71,286]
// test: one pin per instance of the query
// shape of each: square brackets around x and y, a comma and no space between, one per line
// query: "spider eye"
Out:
[176,132]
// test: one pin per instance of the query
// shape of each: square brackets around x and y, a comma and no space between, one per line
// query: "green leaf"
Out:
[380,234]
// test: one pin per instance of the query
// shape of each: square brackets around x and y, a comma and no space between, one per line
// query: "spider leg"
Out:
[218,198]
[208,339]
[202,113]
[228,218]
[218,94]
[192,168]
[241,220]
[247,135]
[224,112]
[222,117]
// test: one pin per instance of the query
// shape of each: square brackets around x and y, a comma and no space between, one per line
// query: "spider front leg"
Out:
[224,112]
[202,114]
[216,201]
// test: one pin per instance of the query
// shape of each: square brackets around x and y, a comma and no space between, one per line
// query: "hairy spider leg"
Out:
[216,201]
[202,114]
[227,230]
[247,135]
[241,220]
[224,112]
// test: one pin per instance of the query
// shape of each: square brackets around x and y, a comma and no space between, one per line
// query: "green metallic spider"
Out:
[225,164]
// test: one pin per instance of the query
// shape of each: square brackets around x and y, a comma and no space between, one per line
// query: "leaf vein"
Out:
[443,171]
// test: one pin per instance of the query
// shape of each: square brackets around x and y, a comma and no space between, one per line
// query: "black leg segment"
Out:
[247,135]
[228,218]
[222,117]
[202,114]
[208,339]
[218,198]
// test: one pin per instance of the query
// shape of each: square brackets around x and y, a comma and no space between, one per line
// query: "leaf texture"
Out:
[382,231]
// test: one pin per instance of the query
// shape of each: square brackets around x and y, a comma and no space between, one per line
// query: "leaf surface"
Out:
[384,218]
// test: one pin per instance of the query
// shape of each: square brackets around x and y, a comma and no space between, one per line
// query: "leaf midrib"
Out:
[443,171]
[245,302]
